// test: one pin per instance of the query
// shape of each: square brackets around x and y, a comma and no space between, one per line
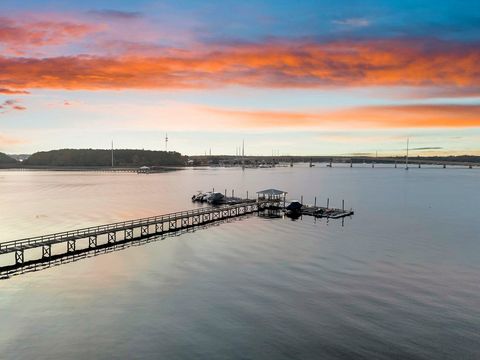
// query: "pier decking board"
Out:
[163,223]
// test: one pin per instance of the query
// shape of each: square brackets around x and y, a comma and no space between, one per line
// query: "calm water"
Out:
[400,279]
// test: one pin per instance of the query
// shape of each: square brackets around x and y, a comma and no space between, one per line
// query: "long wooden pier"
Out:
[99,236]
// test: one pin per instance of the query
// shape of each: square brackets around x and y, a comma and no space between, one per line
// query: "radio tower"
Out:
[166,141]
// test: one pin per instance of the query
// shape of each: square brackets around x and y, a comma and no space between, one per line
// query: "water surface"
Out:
[399,279]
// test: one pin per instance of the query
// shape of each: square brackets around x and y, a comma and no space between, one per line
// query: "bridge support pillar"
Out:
[19,257]
[46,251]
[92,241]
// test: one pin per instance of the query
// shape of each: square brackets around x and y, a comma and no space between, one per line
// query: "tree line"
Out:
[5,159]
[102,158]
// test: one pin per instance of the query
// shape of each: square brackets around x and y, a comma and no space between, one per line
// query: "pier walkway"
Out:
[102,235]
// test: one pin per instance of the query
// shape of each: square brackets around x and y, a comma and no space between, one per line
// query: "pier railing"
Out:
[37,241]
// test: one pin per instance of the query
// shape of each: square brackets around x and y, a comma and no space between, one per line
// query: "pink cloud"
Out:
[11,104]
[18,36]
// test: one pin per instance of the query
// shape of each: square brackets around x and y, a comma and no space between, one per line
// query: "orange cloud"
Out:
[406,116]
[11,92]
[174,116]
[290,65]
[18,36]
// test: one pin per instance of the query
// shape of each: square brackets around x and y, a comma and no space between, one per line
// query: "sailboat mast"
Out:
[406,158]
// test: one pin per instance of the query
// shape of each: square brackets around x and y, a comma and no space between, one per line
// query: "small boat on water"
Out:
[201,196]
[215,198]
[198,196]
[210,197]
[294,208]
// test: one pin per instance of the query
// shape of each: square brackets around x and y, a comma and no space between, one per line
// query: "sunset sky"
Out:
[297,77]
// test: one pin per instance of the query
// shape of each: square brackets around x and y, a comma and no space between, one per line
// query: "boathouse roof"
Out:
[271,192]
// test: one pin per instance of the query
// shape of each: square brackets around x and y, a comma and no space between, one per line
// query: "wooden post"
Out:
[301,200]
[225,192]
[328,202]
[247,194]
[315,203]
[233,193]
[343,205]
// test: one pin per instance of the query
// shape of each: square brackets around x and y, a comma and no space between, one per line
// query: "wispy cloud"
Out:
[5,91]
[427,148]
[353,22]
[11,104]
[116,14]
[355,119]
[18,36]
[401,116]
